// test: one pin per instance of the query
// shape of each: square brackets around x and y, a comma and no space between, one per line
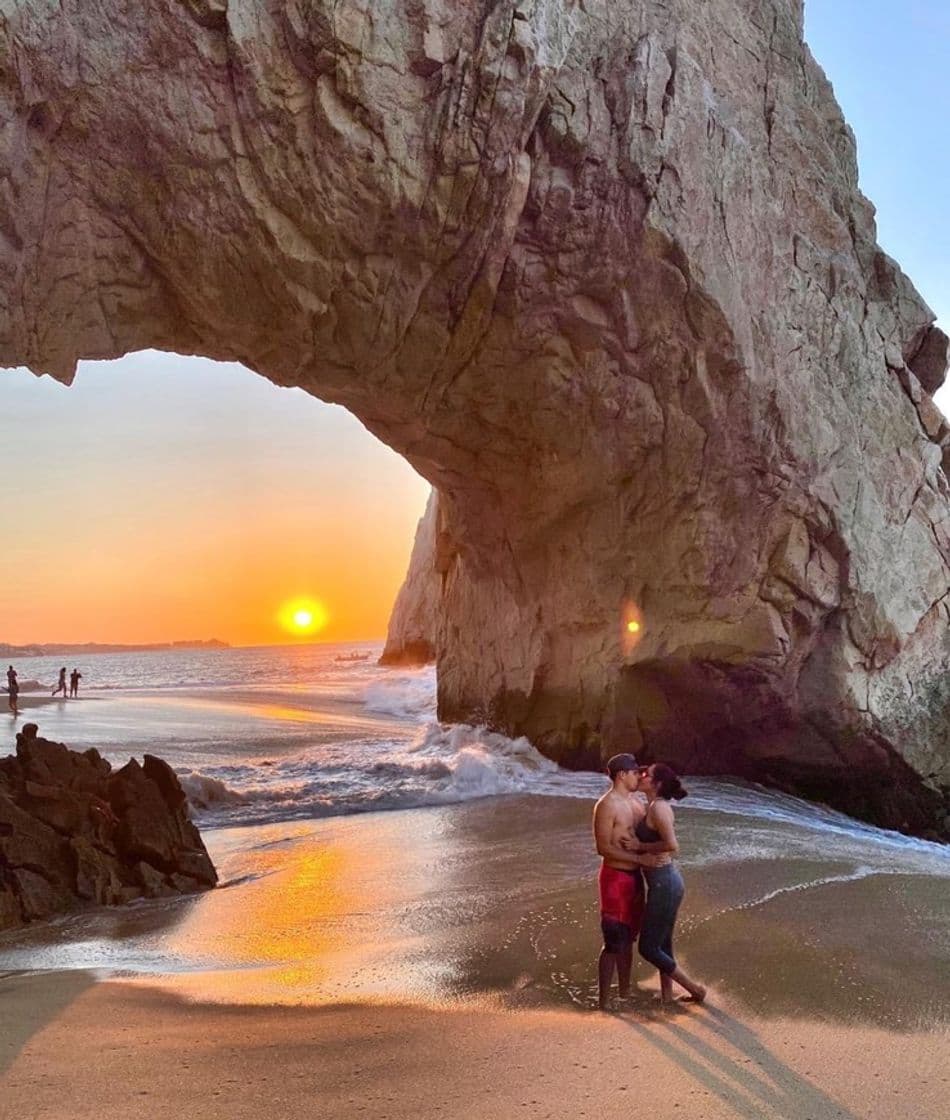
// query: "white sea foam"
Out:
[263,735]
[479,763]
[205,792]
[407,695]
[33,686]
[440,766]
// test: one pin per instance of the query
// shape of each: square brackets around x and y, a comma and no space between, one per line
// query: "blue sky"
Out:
[890,66]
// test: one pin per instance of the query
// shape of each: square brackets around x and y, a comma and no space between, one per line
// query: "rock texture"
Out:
[73,832]
[601,271]
[414,627]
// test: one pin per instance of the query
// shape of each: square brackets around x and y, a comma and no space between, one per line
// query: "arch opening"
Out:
[164,499]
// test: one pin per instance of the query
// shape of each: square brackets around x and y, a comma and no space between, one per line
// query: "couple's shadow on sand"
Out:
[727,1059]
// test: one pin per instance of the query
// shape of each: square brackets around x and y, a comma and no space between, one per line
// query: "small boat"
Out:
[352,657]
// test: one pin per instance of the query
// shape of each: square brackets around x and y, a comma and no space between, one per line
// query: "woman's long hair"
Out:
[666,782]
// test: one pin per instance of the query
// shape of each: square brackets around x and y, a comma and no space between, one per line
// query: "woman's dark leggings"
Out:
[664,894]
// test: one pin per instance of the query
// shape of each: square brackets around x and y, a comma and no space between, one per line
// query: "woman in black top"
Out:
[655,834]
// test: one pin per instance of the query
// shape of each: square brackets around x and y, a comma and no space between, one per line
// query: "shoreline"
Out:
[495,900]
[442,962]
[32,701]
[230,695]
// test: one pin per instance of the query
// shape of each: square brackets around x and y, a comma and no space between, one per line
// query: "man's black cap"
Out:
[619,763]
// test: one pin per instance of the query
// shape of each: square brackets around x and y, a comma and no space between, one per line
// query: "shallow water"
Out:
[482,885]
[494,901]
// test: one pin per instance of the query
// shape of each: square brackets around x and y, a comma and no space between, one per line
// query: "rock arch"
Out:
[602,272]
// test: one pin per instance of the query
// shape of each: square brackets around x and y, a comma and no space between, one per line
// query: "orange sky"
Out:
[163,498]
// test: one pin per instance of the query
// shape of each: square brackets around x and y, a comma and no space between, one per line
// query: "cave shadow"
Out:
[779,1089]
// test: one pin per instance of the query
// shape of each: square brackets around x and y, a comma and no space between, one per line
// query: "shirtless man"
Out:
[616,815]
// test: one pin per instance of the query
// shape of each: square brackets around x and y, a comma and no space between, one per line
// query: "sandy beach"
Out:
[440,962]
[120,1050]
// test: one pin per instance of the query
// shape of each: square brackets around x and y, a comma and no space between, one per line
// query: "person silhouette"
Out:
[13,688]
[74,678]
[61,683]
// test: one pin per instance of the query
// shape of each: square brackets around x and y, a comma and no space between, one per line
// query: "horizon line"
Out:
[211,642]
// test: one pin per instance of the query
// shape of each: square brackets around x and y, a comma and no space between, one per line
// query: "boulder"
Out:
[75,833]
[602,272]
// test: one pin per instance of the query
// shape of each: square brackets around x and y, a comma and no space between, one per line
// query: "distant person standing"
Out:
[74,678]
[61,683]
[13,688]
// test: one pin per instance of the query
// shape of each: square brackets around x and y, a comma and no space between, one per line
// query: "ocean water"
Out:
[291,733]
[475,869]
[286,733]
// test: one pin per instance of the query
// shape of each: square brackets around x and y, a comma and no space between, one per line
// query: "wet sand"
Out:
[441,963]
[30,702]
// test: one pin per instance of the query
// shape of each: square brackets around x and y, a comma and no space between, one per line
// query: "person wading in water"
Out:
[61,683]
[13,688]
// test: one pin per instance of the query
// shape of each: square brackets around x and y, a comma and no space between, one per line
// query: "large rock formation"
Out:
[73,832]
[601,271]
[416,621]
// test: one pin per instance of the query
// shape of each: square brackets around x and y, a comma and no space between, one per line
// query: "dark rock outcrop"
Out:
[75,832]
[603,273]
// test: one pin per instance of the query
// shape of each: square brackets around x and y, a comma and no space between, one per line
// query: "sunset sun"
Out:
[303,617]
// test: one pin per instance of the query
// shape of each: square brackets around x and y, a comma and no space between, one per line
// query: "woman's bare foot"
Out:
[697,994]
[696,991]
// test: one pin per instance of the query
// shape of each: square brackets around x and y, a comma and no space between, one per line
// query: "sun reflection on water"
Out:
[314,920]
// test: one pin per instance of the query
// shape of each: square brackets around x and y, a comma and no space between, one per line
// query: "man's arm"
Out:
[605,818]
[638,847]
[663,822]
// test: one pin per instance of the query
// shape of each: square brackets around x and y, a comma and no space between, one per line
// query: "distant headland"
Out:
[55,648]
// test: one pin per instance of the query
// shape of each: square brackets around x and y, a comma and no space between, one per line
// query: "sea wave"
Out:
[407,695]
[292,734]
[728,823]
[443,765]
[204,792]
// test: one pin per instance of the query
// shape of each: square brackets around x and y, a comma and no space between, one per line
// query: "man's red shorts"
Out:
[621,901]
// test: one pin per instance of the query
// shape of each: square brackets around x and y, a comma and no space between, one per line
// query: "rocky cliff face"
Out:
[413,635]
[601,271]
[74,832]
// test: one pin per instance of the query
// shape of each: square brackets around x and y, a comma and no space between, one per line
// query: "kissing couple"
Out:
[641,887]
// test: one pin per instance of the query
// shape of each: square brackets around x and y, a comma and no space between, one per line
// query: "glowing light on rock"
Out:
[631,627]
